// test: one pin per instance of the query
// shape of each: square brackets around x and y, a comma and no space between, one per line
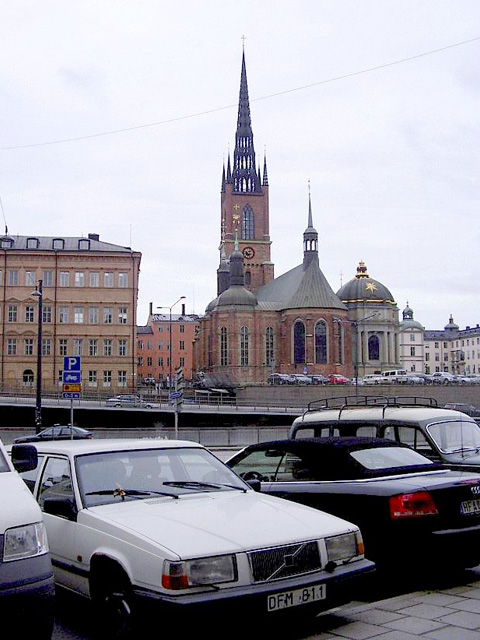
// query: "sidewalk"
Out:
[450,613]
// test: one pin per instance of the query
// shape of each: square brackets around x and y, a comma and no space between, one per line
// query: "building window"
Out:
[93,315]
[412,351]
[269,347]
[13,278]
[93,347]
[427,356]
[78,347]
[78,315]
[48,278]
[107,378]
[28,377]
[248,223]
[28,347]
[182,362]
[182,345]
[47,314]
[108,279]
[122,378]
[182,328]
[63,347]
[79,279]
[63,315]
[223,347]
[107,315]
[373,348]
[149,361]
[107,347]
[244,338]
[122,347]
[64,279]
[122,315]
[11,346]
[412,337]
[123,280]
[140,344]
[160,328]
[340,342]
[321,342]
[29,313]
[92,379]
[160,362]
[46,347]
[29,278]
[94,279]
[58,243]
[299,342]
[33,243]
[12,313]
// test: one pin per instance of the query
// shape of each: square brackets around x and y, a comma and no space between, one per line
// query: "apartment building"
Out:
[89,291]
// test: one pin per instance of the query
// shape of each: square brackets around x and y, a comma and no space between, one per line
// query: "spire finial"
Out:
[243,43]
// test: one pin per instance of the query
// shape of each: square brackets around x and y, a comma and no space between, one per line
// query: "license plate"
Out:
[470,507]
[288,599]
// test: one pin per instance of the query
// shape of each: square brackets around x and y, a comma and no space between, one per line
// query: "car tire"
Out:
[112,601]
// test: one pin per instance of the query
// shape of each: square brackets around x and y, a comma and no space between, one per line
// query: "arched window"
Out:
[223,347]
[244,346]
[269,351]
[28,377]
[209,351]
[321,342]
[341,358]
[248,223]
[299,342]
[248,278]
[373,348]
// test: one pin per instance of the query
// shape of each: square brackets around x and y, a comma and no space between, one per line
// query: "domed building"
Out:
[411,343]
[373,314]
[259,324]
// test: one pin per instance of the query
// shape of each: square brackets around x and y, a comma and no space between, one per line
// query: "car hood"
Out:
[213,523]
[18,504]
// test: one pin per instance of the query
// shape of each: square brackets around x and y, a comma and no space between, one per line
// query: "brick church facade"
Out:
[259,324]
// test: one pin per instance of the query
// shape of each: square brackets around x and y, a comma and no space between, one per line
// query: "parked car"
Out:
[57,432]
[336,378]
[443,377]
[300,378]
[443,435]
[142,526]
[373,378]
[27,591]
[131,400]
[411,511]
[395,376]
[469,409]
[278,378]
[317,378]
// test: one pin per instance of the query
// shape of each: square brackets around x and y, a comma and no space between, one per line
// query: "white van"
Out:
[396,376]
[26,576]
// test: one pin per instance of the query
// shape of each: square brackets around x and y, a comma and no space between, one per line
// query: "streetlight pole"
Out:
[170,340]
[38,293]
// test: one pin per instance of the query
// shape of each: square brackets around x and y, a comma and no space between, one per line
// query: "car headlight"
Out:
[344,547]
[198,572]
[25,542]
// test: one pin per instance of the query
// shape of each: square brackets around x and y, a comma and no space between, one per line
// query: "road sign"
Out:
[72,363]
[72,396]
[72,388]
[175,394]
[72,377]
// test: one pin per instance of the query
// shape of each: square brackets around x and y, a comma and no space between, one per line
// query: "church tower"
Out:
[244,200]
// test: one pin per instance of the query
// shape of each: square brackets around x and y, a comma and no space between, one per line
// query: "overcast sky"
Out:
[117,116]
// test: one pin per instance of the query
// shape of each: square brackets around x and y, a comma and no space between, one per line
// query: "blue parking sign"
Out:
[71,363]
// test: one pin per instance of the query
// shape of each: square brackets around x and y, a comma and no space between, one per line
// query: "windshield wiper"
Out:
[123,493]
[192,484]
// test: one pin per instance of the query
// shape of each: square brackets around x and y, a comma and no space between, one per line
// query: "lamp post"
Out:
[38,293]
[170,340]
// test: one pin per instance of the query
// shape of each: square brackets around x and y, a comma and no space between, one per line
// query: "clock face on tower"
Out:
[248,253]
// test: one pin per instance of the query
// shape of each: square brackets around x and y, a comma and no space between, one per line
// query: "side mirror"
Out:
[255,484]
[24,457]
[60,506]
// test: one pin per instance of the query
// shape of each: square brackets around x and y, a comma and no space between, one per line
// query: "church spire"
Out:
[244,174]
[310,237]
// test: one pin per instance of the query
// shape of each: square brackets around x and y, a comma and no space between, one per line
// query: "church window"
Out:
[340,343]
[248,223]
[269,351]
[321,342]
[299,342]
[223,347]
[373,348]
[244,346]
[248,278]
[209,351]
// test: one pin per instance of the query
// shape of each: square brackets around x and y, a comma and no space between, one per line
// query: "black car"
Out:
[57,432]
[410,510]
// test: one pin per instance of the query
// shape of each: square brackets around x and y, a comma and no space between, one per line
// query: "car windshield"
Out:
[389,458]
[455,435]
[131,475]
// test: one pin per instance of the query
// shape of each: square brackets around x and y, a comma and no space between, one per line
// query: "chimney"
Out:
[93,236]
[183,309]
[150,308]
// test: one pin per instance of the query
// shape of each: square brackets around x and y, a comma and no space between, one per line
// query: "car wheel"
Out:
[112,600]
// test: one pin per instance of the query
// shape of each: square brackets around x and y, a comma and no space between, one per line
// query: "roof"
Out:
[91,243]
[104,445]
[400,414]
[299,288]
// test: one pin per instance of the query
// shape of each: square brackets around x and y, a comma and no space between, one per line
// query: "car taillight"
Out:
[412,505]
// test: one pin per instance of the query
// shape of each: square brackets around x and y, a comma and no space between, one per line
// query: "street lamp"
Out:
[170,339]
[38,293]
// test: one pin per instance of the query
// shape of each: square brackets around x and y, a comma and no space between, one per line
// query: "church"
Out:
[259,324]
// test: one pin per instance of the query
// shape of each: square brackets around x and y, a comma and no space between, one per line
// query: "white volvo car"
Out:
[165,525]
